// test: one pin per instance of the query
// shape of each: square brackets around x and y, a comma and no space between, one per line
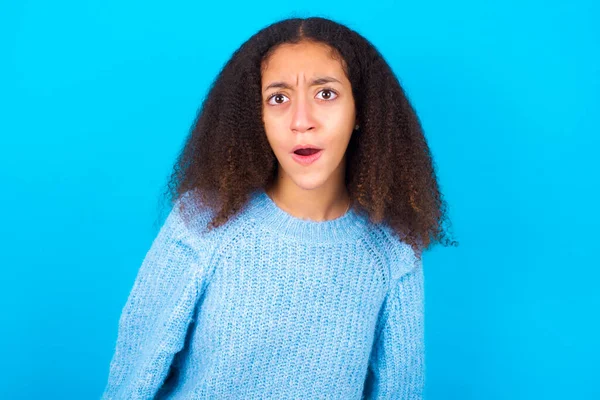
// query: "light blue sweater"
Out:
[270,306]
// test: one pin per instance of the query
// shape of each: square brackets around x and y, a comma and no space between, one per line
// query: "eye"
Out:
[329,91]
[275,96]
[278,96]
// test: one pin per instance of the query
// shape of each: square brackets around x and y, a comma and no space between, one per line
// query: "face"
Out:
[307,100]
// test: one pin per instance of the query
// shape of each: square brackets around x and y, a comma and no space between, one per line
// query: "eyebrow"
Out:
[314,82]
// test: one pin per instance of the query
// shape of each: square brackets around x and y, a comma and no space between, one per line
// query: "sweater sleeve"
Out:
[160,306]
[397,363]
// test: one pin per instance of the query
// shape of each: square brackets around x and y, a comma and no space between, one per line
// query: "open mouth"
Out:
[306,152]
[307,156]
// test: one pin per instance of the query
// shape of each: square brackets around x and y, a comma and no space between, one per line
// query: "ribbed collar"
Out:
[347,228]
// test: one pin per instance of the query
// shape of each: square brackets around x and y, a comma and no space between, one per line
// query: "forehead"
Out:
[305,58]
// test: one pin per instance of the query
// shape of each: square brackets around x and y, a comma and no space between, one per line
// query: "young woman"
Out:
[290,264]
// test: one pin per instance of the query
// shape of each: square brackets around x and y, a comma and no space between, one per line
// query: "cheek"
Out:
[341,119]
[273,136]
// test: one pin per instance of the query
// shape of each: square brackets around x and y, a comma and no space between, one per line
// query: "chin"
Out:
[308,182]
[306,178]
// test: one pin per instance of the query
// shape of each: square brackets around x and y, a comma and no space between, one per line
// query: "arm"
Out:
[154,320]
[397,362]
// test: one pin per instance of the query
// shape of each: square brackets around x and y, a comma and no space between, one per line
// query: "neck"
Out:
[319,204]
[267,215]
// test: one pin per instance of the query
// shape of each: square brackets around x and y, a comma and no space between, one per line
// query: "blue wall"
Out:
[97,97]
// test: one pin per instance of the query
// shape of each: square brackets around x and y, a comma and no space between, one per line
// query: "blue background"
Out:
[97,98]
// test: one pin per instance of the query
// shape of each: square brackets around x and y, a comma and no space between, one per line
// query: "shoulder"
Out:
[399,257]
[188,221]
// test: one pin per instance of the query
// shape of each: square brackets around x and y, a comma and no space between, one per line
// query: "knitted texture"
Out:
[270,306]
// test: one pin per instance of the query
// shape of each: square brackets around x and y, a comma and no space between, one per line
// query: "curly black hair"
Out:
[390,173]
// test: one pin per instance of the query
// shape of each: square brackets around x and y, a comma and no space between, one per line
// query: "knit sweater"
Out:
[271,306]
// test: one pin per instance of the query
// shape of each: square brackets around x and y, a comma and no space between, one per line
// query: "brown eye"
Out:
[277,96]
[327,94]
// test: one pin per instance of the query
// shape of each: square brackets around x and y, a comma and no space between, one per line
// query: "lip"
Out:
[305,146]
[307,160]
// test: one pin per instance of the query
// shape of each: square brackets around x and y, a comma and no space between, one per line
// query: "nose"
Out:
[302,116]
